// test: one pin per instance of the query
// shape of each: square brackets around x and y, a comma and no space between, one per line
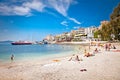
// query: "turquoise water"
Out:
[26,52]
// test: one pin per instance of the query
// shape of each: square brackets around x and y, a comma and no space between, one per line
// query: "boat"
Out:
[21,43]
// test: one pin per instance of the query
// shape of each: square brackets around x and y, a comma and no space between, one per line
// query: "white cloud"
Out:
[25,8]
[65,23]
[21,10]
[74,20]
[36,5]
[60,6]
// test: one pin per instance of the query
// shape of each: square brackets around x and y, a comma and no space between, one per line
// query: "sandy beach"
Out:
[104,65]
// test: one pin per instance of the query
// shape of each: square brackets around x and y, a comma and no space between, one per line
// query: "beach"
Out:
[104,65]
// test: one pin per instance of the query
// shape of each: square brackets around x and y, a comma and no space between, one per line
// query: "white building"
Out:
[50,38]
[90,32]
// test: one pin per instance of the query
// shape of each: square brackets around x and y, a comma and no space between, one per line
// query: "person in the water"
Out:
[12,57]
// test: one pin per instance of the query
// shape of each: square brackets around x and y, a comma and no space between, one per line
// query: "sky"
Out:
[33,20]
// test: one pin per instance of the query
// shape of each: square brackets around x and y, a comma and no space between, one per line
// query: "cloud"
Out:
[60,6]
[14,10]
[36,5]
[25,8]
[21,10]
[74,20]
[65,23]
[76,27]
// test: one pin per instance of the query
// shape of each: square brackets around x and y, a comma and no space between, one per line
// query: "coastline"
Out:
[82,42]
[102,66]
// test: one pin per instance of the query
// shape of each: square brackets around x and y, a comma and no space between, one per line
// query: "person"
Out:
[109,47]
[12,57]
[74,58]
[114,46]
[96,50]
[77,58]
[71,57]
[106,47]
[87,54]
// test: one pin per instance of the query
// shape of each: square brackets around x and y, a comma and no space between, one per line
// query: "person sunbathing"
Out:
[87,54]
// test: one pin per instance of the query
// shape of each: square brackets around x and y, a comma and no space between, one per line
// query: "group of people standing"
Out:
[109,46]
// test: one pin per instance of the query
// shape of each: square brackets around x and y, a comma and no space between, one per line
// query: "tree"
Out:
[113,27]
[115,22]
[105,32]
[96,33]
[116,12]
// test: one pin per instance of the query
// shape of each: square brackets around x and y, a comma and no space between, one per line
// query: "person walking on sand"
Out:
[106,47]
[12,57]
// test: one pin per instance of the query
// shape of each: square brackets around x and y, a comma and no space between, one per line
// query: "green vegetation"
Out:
[112,27]
[96,33]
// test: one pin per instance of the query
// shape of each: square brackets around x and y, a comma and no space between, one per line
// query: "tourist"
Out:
[113,46]
[95,51]
[74,58]
[12,57]
[106,47]
[109,47]
[77,58]
[87,54]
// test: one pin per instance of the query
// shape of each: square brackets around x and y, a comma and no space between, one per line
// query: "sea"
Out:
[37,51]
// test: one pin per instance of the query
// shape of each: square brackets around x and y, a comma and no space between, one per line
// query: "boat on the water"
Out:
[21,43]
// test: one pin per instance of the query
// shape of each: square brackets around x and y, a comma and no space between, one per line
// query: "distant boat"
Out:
[45,42]
[21,43]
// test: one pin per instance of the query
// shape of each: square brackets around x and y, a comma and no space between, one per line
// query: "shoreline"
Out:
[102,66]
[82,42]
[76,51]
